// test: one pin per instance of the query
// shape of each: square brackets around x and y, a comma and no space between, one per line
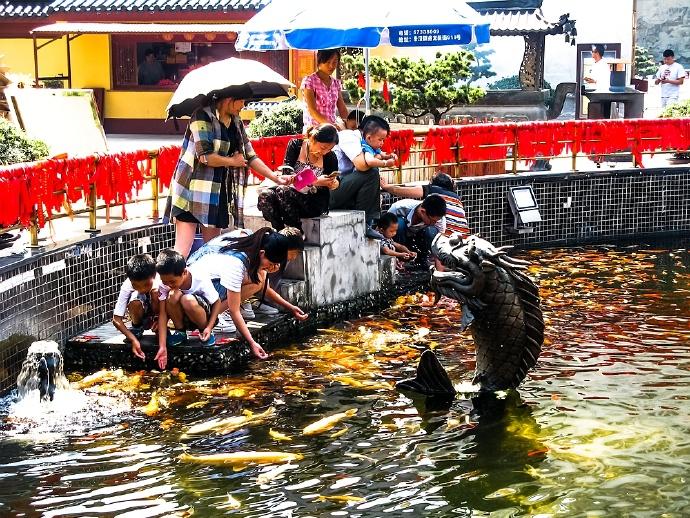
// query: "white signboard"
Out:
[65,119]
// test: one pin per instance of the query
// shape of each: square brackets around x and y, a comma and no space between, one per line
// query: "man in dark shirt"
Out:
[440,184]
[150,70]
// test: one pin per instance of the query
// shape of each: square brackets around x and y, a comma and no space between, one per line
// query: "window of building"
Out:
[149,62]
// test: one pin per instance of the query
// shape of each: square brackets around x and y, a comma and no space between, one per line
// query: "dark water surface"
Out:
[600,428]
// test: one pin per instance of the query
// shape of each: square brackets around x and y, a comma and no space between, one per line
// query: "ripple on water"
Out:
[600,428]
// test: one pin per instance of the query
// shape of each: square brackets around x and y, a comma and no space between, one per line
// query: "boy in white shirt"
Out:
[138,297]
[670,75]
[188,299]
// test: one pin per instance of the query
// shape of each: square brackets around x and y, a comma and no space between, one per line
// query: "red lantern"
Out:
[188,36]
[209,36]
[231,36]
[167,37]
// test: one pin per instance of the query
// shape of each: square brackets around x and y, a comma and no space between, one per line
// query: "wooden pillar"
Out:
[532,67]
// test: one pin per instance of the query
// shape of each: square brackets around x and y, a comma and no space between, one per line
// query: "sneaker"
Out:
[265,309]
[247,311]
[225,324]
[176,337]
[211,340]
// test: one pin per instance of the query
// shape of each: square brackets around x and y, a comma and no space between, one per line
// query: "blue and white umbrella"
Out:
[315,24]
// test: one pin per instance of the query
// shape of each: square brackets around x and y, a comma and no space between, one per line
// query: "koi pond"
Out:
[599,428]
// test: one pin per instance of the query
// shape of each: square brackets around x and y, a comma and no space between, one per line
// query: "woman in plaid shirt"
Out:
[323,93]
[215,148]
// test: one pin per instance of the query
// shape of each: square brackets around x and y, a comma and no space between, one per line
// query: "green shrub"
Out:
[676,110]
[284,118]
[511,83]
[17,147]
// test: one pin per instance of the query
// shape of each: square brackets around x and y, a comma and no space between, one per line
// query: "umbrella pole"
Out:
[367,87]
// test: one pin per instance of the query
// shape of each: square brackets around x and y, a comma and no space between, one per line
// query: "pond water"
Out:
[600,427]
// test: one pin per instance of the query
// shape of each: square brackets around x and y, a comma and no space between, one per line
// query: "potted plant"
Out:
[643,67]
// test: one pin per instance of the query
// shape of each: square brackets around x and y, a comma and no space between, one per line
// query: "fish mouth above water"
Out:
[46,376]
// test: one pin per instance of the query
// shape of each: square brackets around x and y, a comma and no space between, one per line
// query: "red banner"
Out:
[117,176]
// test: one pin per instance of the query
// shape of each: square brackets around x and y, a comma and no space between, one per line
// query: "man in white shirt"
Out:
[600,73]
[670,76]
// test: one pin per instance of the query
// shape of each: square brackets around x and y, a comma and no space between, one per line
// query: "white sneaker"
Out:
[225,324]
[265,309]
[246,310]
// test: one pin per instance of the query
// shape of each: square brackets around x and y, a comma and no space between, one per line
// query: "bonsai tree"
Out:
[417,87]
[284,118]
[643,63]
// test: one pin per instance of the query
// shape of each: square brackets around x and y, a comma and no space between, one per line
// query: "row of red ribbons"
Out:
[531,140]
[44,186]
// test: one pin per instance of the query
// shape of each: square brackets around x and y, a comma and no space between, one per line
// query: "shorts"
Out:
[149,316]
[188,324]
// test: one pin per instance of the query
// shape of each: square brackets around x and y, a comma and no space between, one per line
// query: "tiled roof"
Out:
[18,9]
[91,6]
[510,23]
[492,6]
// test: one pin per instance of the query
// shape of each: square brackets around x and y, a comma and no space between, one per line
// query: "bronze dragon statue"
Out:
[500,306]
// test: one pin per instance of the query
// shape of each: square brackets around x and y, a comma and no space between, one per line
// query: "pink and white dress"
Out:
[326,98]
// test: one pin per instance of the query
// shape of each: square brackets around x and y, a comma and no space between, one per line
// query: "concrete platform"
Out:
[104,347]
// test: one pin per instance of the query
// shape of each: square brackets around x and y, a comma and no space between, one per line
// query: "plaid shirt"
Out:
[196,187]
[326,98]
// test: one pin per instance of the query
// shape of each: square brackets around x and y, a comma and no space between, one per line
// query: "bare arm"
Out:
[402,191]
[342,108]
[275,297]
[136,346]
[261,168]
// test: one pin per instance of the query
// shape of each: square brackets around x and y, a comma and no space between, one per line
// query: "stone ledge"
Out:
[104,347]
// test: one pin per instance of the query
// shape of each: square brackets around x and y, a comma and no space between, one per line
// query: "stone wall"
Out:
[665,24]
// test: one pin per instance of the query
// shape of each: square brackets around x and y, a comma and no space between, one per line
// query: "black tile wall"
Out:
[67,291]
[64,292]
[606,206]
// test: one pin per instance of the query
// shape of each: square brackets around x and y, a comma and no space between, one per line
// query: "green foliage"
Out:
[17,147]
[643,64]
[282,119]
[417,87]
[676,110]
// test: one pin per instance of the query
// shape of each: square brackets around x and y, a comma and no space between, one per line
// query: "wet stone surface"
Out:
[104,346]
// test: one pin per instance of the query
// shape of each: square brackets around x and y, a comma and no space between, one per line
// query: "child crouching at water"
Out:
[188,299]
[387,226]
[239,268]
[138,297]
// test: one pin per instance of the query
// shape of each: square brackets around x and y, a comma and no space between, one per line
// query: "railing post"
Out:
[93,207]
[33,230]
[153,171]
[515,152]
[574,158]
